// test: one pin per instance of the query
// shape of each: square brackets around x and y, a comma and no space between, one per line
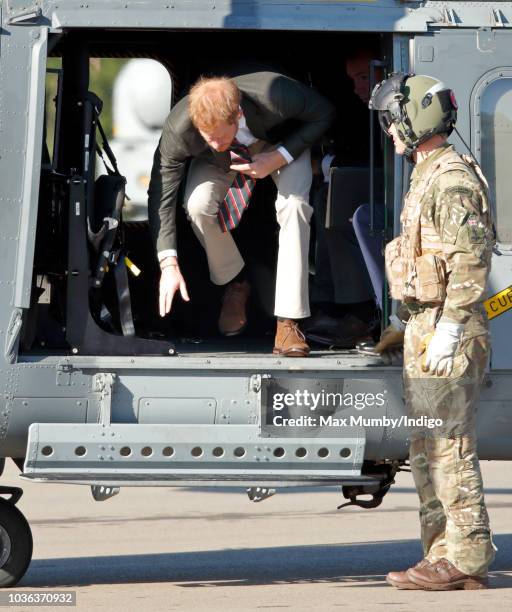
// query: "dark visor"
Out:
[385,120]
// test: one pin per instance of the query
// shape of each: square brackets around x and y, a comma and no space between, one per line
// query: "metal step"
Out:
[137,455]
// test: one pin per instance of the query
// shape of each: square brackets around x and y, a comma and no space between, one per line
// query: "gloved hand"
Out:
[440,348]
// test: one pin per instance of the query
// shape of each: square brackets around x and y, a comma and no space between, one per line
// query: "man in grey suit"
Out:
[238,131]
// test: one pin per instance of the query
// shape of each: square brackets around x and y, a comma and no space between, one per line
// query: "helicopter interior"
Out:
[318,59]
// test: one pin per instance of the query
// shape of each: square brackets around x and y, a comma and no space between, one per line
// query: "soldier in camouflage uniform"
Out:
[438,269]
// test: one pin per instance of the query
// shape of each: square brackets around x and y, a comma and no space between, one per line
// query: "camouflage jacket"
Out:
[447,236]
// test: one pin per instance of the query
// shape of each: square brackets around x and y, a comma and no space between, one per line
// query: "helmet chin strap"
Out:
[409,154]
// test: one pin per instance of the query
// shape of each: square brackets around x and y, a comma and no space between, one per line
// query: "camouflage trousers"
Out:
[444,461]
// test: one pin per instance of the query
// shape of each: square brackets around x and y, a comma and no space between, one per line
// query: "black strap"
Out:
[106,149]
[123,297]
[107,256]
[108,235]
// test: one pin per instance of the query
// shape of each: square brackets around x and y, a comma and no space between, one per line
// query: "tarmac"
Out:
[212,549]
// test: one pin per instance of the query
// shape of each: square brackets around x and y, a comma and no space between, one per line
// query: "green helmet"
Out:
[419,106]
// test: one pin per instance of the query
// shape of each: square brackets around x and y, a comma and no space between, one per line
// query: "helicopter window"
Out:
[137,95]
[53,99]
[496,128]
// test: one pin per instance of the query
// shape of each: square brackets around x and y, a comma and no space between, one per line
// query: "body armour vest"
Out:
[416,268]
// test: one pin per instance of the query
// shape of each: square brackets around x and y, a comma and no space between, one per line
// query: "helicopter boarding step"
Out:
[137,455]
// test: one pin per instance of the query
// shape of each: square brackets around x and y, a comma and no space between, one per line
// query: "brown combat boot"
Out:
[290,341]
[233,316]
[400,580]
[444,576]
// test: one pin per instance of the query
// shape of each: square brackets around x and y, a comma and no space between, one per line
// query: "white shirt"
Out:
[247,138]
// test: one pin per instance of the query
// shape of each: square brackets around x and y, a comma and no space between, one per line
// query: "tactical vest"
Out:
[416,268]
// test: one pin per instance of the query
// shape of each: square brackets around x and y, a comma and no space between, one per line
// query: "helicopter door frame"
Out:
[482,141]
[31,170]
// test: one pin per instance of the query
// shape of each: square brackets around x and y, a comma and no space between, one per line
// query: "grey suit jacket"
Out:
[277,109]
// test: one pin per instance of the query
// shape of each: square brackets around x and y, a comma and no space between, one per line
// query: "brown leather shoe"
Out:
[290,341]
[444,576]
[233,316]
[400,580]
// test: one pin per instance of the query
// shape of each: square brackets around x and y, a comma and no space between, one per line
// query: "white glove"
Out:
[441,349]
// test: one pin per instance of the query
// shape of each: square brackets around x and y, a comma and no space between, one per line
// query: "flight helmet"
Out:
[420,106]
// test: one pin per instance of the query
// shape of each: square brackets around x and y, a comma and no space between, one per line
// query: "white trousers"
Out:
[206,188]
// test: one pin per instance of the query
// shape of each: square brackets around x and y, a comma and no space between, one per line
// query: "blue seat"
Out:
[371,245]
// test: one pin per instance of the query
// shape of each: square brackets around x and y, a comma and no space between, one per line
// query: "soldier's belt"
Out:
[416,307]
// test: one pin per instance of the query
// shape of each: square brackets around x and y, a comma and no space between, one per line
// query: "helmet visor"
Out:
[387,91]
[385,120]
[386,98]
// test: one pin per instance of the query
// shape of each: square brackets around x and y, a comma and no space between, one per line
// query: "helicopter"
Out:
[96,389]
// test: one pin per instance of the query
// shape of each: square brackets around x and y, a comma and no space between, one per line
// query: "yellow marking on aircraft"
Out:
[499,303]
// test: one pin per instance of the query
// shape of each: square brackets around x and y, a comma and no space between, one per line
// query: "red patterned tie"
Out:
[238,195]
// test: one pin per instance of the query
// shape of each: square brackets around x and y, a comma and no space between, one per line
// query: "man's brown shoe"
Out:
[400,580]
[444,576]
[233,316]
[290,341]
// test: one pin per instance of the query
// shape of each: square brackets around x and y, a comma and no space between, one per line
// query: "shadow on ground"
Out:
[356,564]
[326,489]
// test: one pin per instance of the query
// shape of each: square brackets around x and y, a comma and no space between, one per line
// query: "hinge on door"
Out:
[255,383]
[13,334]
[103,384]
[64,372]
[31,14]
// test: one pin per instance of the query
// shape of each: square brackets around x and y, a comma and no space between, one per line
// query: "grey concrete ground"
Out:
[179,549]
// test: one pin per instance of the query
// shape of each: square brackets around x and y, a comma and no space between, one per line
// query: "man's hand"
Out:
[170,281]
[441,347]
[262,165]
[390,339]
[390,347]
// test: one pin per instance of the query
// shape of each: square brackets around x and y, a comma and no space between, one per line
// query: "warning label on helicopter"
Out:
[499,303]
